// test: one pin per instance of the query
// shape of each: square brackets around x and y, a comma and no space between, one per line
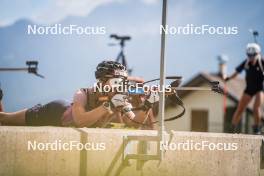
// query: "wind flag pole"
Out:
[32,67]
[162,75]
[255,34]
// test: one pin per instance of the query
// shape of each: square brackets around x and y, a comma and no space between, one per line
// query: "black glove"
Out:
[227,79]
[1,94]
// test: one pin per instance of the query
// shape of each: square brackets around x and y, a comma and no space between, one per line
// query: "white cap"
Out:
[253,48]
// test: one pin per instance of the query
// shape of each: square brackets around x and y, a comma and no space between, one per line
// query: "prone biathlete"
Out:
[86,110]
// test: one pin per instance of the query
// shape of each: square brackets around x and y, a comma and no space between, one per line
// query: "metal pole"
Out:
[32,68]
[255,35]
[162,75]
[13,69]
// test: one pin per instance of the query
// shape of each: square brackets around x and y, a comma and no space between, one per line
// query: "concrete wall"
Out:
[16,159]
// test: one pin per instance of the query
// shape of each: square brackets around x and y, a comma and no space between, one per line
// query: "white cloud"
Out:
[63,8]
[55,10]
[50,11]
[59,9]
[150,1]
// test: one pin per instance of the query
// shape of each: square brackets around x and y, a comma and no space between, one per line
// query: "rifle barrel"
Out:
[193,88]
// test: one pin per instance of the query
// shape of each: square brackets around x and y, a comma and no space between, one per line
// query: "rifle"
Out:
[134,96]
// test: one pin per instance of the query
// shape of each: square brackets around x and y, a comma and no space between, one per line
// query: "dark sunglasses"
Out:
[251,55]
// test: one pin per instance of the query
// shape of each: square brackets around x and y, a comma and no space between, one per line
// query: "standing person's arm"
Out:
[231,76]
[238,70]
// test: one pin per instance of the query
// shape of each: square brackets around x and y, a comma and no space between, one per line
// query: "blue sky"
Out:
[68,62]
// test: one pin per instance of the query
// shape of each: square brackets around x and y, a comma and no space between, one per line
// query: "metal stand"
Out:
[142,156]
[142,152]
[162,78]
[142,141]
[121,56]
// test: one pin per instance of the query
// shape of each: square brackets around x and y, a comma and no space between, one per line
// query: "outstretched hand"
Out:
[227,79]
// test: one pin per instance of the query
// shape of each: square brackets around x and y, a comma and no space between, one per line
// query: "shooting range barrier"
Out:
[123,154]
